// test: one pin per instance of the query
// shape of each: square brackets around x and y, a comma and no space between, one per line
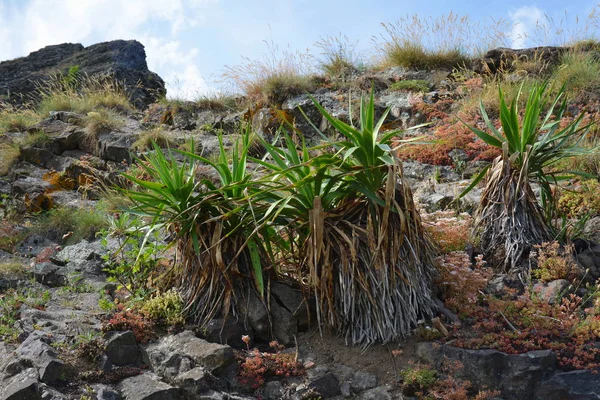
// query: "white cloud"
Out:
[525,21]
[182,75]
[44,22]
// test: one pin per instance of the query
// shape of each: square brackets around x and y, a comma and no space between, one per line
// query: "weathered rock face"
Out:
[125,60]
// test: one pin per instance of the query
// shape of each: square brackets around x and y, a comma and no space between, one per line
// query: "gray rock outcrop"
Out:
[124,60]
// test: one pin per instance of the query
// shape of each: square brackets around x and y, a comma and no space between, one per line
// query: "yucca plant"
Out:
[360,238]
[214,226]
[509,219]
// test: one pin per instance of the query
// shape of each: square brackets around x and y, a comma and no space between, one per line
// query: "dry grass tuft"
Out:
[157,135]
[445,42]
[337,57]
[274,77]
[98,122]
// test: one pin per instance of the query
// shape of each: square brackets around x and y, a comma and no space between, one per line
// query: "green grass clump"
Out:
[445,42]
[586,45]
[35,139]
[416,85]
[11,269]
[9,155]
[218,102]
[84,223]
[488,95]
[16,120]
[414,56]
[577,71]
[82,95]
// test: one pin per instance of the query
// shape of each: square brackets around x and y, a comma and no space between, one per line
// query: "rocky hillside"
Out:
[81,317]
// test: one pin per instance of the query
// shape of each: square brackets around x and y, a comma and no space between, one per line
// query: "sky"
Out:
[190,43]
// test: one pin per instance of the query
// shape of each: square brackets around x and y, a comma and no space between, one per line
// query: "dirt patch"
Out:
[383,360]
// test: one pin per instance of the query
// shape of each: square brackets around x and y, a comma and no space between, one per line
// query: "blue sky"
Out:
[188,42]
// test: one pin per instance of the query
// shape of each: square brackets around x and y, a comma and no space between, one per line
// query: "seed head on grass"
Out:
[273,77]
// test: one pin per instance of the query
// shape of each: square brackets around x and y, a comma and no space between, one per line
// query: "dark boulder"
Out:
[517,376]
[503,59]
[580,385]
[123,60]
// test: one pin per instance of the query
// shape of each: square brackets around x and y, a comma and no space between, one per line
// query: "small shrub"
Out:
[415,85]
[581,201]
[129,320]
[131,264]
[164,308]
[106,304]
[90,346]
[417,379]
[9,155]
[448,231]
[10,234]
[10,306]
[256,367]
[554,262]
[461,283]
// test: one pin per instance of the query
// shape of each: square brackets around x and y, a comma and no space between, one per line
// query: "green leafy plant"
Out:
[214,225]
[509,219]
[13,119]
[353,229]
[137,255]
